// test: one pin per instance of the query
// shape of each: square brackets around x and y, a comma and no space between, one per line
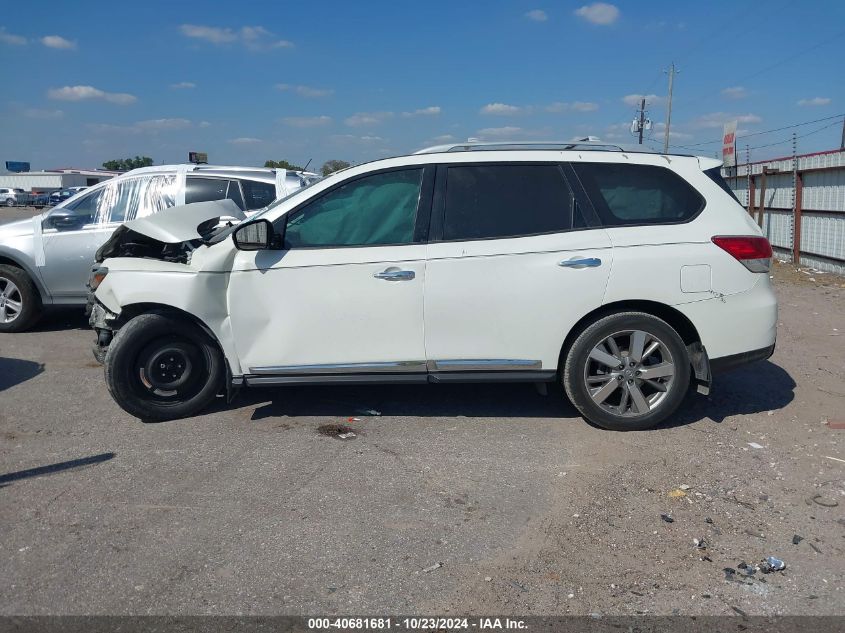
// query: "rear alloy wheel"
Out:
[628,371]
[20,304]
[10,202]
[160,367]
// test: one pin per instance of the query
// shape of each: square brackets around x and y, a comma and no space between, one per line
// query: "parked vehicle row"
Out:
[628,277]
[45,261]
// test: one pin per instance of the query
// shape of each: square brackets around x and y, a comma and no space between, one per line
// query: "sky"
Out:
[360,81]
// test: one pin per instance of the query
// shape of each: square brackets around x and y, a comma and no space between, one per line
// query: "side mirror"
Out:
[68,221]
[255,236]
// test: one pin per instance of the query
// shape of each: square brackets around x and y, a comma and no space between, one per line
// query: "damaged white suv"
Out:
[629,277]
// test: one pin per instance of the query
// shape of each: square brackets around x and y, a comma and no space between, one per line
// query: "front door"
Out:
[512,267]
[345,295]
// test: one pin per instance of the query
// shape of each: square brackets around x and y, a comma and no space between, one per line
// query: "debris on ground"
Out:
[434,567]
[353,419]
[708,520]
[684,487]
[677,493]
[836,459]
[755,445]
[700,543]
[338,431]
[796,539]
[487,578]
[772,564]
[667,518]
[823,501]
[368,411]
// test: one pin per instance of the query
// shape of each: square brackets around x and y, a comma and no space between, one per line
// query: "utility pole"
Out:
[641,123]
[642,120]
[669,109]
[842,143]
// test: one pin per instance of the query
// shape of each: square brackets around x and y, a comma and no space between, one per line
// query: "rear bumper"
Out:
[727,363]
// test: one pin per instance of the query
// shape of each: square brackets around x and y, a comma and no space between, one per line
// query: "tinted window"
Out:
[638,194]
[715,175]
[258,195]
[205,189]
[234,194]
[487,201]
[377,209]
[85,208]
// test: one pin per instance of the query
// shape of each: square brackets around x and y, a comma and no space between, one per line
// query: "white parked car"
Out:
[629,277]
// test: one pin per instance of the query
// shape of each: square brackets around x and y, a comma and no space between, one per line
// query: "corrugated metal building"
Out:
[53,180]
[803,198]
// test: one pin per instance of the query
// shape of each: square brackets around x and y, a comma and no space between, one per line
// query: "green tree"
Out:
[125,164]
[282,164]
[331,166]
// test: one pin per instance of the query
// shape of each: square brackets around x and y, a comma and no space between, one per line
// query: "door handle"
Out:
[395,275]
[580,262]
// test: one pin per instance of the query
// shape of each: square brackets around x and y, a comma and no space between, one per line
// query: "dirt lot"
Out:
[251,509]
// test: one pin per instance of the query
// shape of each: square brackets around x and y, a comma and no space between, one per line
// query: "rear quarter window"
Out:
[625,194]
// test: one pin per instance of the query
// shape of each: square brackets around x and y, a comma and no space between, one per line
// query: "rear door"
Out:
[512,266]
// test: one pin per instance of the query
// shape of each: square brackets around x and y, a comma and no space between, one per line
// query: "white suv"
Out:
[630,277]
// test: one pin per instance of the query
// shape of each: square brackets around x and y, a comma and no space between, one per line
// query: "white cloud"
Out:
[815,101]
[155,125]
[254,38]
[245,140]
[660,129]
[352,138]
[204,124]
[634,100]
[718,119]
[9,38]
[360,119]
[306,121]
[57,41]
[308,92]
[735,92]
[508,131]
[82,93]
[575,106]
[183,85]
[537,15]
[443,138]
[500,109]
[599,13]
[149,126]
[37,113]
[429,111]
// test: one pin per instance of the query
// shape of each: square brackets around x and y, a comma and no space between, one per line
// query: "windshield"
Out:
[222,234]
[276,203]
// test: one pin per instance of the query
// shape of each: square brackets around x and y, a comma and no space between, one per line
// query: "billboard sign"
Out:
[198,158]
[729,145]
[16,166]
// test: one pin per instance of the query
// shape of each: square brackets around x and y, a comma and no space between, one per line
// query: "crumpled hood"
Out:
[187,222]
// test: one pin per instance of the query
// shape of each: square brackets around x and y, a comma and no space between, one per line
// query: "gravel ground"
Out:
[450,499]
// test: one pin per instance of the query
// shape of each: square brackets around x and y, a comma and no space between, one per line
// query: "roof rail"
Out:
[470,146]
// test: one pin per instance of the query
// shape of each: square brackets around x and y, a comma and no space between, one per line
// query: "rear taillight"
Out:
[752,251]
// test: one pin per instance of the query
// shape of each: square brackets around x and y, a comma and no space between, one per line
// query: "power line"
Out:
[824,127]
[778,129]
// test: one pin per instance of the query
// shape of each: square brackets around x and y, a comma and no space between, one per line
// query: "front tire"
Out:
[20,303]
[159,367]
[627,371]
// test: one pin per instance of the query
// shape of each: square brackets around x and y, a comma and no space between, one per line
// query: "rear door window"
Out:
[208,189]
[497,201]
[638,194]
[258,195]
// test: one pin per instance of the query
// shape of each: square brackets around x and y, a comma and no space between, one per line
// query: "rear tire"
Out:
[159,367]
[627,371]
[20,303]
